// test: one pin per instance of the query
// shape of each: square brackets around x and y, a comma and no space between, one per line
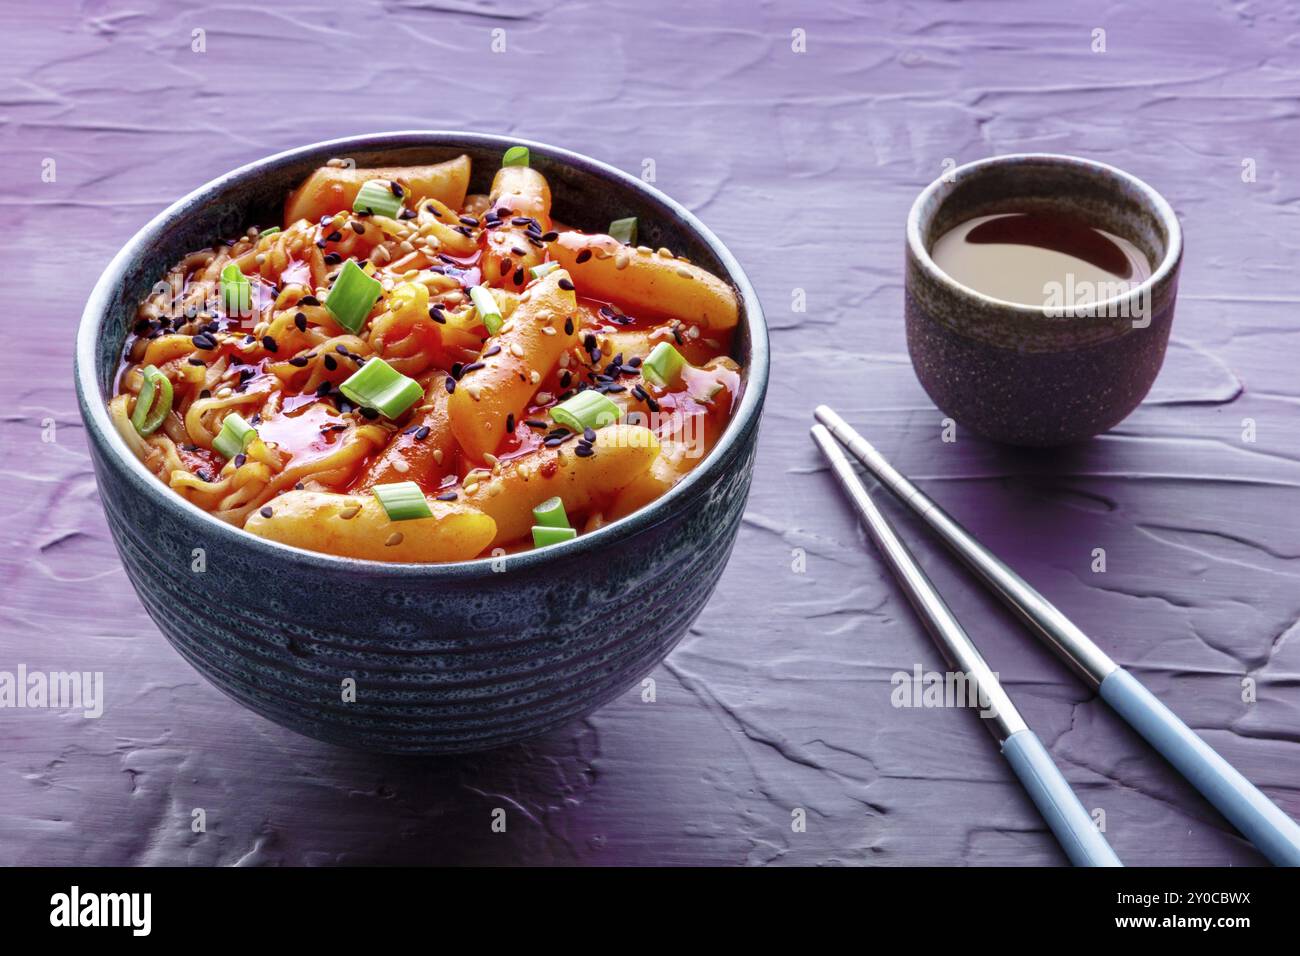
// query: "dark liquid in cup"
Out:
[1036,259]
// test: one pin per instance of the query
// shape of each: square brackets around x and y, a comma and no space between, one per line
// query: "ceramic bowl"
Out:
[444,658]
[1028,375]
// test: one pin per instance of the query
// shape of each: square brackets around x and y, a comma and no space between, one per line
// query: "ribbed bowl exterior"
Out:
[437,667]
[419,659]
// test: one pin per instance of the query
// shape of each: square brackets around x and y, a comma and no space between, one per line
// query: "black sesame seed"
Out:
[447,496]
[568,326]
[266,512]
[510,423]
[300,320]
[422,433]
[369,413]
[358,227]
[268,343]
[550,236]
[334,236]
[195,360]
[584,255]
[331,362]
[396,190]
[323,389]
[492,351]
[309,300]
[519,276]
[298,361]
[240,459]
[584,451]
[566,285]
[471,367]
[451,384]
[534,423]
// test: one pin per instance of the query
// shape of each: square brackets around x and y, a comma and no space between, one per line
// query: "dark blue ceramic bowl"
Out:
[449,657]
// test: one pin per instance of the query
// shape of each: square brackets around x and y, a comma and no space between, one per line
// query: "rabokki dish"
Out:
[399,371]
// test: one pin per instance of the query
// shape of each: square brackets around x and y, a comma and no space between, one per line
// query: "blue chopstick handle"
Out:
[1078,835]
[1275,834]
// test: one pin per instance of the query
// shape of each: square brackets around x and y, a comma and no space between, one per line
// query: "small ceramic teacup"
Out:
[1040,374]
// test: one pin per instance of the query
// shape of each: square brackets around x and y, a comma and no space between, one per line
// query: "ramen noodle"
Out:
[403,372]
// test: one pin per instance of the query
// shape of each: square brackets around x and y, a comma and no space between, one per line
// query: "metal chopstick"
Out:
[1069,821]
[1275,834]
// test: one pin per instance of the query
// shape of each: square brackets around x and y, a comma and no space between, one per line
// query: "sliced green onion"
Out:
[268,232]
[663,366]
[236,435]
[545,269]
[550,513]
[376,196]
[402,501]
[379,386]
[624,230]
[544,535]
[236,290]
[353,296]
[154,401]
[488,310]
[588,409]
[515,156]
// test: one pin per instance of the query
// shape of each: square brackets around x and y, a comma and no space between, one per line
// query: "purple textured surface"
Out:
[779,700]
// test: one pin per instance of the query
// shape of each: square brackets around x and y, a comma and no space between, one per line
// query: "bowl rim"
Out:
[94,407]
[1159,275]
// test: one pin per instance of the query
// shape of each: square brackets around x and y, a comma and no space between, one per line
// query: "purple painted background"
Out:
[805,164]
